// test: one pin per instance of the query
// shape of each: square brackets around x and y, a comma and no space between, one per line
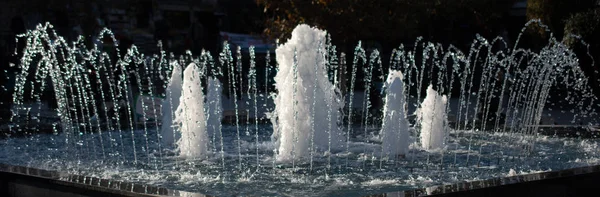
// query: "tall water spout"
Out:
[394,132]
[302,83]
[431,117]
[170,104]
[214,109]
[190,115]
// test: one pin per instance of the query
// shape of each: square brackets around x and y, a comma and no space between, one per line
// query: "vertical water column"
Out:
[431,117]
[190,116]
[170,104]
[214,111]
[294,125]
[394,132]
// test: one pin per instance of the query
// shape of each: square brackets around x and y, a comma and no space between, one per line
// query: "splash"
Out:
[170,104]
[190,116]
[305,98]
[394,131]
[214,109]
[432,120]
[499,89]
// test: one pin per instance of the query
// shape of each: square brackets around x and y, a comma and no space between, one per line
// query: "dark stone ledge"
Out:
[25,181]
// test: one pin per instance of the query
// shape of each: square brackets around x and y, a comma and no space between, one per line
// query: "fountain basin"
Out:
[360,172]
[23,181]
[313,146]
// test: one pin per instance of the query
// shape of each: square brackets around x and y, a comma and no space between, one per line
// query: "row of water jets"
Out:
[312,113]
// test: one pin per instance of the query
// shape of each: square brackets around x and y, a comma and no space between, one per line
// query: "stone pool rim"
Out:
[122,188]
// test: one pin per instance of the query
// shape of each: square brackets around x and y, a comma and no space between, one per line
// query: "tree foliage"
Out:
[383,20]
[554,13]
[587,26]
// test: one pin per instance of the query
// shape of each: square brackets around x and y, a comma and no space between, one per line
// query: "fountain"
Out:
[214,112]
[432,120]
[307,103]
[449,116]
[190,117]
[170,104]
[394,132]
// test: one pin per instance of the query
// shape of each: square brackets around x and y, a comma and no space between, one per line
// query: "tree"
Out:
[587,25]
[388,21]
[553,13]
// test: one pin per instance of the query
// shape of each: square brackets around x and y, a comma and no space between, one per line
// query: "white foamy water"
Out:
[170,104]
[306,97]
[394,132]
[190,116]
[432,119]
[380,182]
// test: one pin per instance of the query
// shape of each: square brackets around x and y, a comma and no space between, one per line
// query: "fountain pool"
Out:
[449,116]
[364,174]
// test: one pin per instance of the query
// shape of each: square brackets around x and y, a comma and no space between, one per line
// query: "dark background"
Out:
[379,24]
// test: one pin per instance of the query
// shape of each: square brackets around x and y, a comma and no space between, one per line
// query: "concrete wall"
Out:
[20,185]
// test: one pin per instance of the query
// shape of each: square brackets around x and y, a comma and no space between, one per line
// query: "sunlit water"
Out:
[366,173]
[313,147]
